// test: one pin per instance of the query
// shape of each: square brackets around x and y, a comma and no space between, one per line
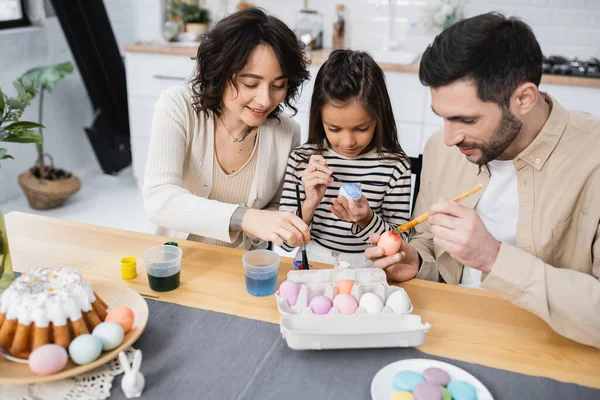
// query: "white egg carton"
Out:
[304,330]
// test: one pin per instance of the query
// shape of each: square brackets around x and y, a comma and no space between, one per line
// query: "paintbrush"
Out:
[423,217]
[303,248]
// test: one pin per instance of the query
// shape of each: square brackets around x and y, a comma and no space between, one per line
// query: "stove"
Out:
[557,65]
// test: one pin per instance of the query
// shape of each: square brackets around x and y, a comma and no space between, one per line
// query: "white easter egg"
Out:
[398,301]
[371,303]
[110,334]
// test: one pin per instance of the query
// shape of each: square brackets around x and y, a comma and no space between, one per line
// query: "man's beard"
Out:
[506,133]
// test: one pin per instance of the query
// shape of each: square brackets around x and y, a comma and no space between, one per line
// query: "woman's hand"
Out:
[276,226]
[315,179]
[349,210]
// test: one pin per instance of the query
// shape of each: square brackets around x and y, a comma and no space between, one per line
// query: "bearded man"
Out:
[533,234]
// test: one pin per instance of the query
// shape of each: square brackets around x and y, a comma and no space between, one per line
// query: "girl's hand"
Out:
[315,179]
[352,211]
[276,226]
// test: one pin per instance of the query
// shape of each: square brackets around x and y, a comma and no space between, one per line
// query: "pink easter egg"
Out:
[289,290]
[48,359]
[345,303]
[320,305]
[390,242]
[123,316]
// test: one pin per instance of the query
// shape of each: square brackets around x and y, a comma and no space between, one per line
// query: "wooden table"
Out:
[467,324]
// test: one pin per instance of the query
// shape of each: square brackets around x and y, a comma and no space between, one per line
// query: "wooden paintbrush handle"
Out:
[423,217]
[411,224]
[468,193]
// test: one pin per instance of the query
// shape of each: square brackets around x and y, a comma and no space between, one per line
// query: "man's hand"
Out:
[461,232]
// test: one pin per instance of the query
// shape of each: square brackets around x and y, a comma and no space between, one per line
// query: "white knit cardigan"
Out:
[179,170]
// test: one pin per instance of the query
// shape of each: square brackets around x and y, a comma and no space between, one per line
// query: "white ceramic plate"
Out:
[382,386]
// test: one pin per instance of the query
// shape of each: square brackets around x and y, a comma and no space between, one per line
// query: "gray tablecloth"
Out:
[197,354]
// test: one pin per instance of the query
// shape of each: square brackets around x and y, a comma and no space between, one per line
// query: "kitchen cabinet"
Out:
[147,76]
[150,73]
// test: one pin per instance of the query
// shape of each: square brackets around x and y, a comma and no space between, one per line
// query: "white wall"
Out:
[564,27]
[66,110]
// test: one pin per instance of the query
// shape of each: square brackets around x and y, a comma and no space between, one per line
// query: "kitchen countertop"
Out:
[318,57]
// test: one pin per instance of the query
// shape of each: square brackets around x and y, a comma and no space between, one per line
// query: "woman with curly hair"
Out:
[219,148]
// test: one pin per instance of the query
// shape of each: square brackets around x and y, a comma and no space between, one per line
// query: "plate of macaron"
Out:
[424,379]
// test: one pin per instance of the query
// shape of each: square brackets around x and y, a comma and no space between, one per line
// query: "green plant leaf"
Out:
[20,89]
[15,103]
[29,136]
[23,125]
[47,77]
[4,155]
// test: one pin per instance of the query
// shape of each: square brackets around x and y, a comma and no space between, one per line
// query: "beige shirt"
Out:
[179,171]
[232,189]
[554,269]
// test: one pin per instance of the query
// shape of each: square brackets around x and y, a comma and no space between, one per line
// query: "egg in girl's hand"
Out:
[85,348]
[343,286]
[48,359]
[398,301]
[345,303]
[110,335]
[122,316]
[371,303]
[320,305]
[350,191]
[390,242]
[289,290]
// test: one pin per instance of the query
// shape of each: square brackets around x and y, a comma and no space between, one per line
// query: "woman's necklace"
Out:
[242,137]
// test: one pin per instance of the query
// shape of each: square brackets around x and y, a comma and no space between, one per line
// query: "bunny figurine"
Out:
[133,381]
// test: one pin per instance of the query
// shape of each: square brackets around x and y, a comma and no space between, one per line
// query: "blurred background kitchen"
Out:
[97,117]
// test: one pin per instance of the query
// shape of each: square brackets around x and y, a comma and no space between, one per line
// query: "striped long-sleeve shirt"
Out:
[385,184]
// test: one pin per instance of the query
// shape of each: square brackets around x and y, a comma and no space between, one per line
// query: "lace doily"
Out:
[93,385]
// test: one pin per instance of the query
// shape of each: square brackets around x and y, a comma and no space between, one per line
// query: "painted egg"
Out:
[84,349]
[345,303]
[122,316]
[371,303]
[110,334]
[390,242]
[398,301]
[343,287]
[320,305]
[350,191]
[48,359]
[289,290]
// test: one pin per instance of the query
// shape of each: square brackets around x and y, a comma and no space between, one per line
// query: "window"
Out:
[12,14]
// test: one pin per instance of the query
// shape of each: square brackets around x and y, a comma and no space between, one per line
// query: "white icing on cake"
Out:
[45,295]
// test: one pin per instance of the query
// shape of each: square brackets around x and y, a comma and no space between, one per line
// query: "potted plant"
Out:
[46,186]
[13,130]
[195,19]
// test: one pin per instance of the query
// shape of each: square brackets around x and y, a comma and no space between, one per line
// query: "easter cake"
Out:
[47,305]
